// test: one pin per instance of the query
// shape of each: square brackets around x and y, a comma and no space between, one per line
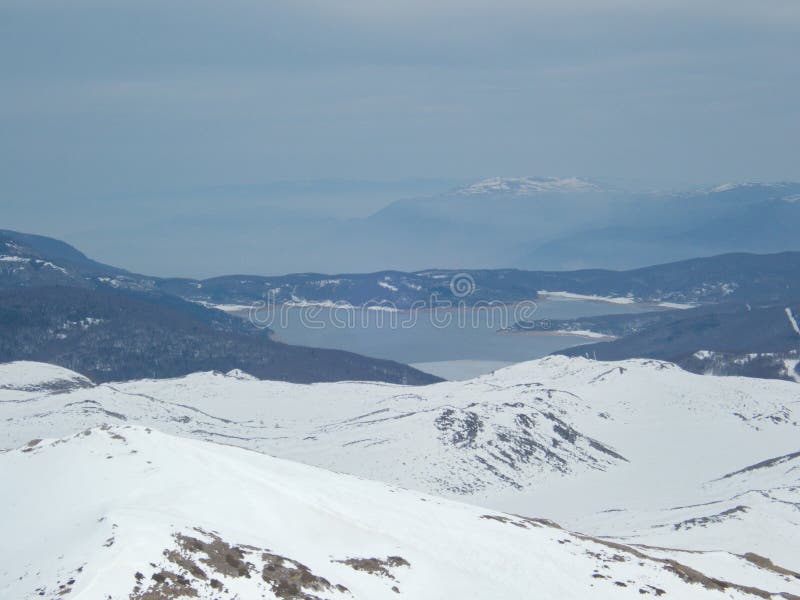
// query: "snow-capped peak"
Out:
[239,374]
[727,187]
[523,186]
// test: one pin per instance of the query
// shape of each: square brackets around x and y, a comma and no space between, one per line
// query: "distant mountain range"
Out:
[558,224]
[29,260]
[535,223]
[526,186]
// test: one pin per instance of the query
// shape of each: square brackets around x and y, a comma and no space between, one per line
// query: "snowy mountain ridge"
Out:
[637,450]
[144,516]
[727,187]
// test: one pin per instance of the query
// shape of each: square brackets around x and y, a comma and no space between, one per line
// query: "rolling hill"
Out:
[640,451]
[147,516]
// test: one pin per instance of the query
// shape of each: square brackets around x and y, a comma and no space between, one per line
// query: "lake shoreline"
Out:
[461,342]
[586,335]
[243,311]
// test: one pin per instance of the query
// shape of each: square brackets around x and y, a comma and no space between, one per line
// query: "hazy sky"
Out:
[104,103]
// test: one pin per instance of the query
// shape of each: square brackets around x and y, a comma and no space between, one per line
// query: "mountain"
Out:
[637,450]
[726,278]
[527,186]
[725,339]
[735,277]
[36,251]
[532,223]
[564,224]
[654,228]
[486,225]
[211,521]
[30,261]
[110,334]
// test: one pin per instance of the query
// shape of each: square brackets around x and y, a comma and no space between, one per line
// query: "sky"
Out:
[143,111]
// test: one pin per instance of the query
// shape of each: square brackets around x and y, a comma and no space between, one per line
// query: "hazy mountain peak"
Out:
[523,186]
[727,187]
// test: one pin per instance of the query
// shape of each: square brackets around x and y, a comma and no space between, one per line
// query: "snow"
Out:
[14,247]
[676,305]
[382,308]
[26,260]
[128,496]
[571,296]
[388,286]
[790,364]
[336,304]
[547,295]
[727,187]
[224,307]
[792,320]
[296,302]
[23,379]
[522,186]
[84,323]
[481,440]
[50,265]
[110,281]
[16,259]
[638,451]
[239,374]
[584,333]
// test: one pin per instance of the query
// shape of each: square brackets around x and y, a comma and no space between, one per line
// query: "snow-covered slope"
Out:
[753,509]
[509,431]
[637,450]
[128,512]
[25,379]
[458,438]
